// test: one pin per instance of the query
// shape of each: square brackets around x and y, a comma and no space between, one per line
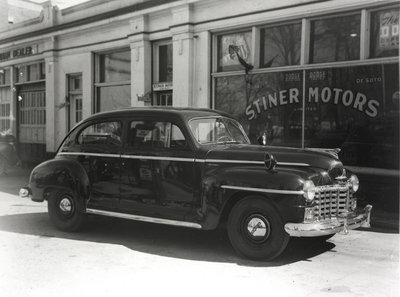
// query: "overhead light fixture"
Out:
[353,35]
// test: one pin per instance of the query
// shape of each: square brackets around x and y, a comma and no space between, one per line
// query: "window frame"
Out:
[364,44]
[97,76]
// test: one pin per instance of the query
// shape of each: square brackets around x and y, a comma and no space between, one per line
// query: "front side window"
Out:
[217,130]
[335,39]
[155,135]
[385,33]
[231,46]
[280,45]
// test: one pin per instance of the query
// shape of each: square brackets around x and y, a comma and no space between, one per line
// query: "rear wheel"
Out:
[256,230]
[66,211]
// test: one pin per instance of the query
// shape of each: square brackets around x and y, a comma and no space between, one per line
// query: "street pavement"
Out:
[112,257]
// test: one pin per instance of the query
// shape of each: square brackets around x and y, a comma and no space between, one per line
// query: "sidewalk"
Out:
[19,177]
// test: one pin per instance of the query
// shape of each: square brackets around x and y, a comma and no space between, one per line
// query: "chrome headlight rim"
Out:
[309,190]
[354,182]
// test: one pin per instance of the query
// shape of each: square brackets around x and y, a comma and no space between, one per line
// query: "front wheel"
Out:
[66,211]
[256,230]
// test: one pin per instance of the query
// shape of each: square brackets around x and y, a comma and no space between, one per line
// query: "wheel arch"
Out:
[237,196]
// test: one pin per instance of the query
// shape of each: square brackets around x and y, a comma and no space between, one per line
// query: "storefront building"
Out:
[322,74]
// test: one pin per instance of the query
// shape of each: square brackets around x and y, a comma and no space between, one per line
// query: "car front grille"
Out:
[332,201]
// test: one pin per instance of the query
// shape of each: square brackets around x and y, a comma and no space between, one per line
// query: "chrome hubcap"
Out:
[258,228]
[66,205]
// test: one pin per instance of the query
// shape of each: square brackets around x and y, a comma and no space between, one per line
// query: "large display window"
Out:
[269,103]
[354,108]
[357,110]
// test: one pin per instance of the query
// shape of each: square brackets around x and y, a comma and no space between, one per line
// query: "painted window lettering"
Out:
[347,98]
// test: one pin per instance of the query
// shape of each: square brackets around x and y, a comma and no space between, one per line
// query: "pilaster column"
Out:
[140,62]
[183,59]
[50,59]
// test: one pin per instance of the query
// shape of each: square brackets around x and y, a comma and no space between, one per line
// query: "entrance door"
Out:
[32,122]
[75,99]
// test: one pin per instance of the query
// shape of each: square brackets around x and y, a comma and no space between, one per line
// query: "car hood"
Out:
[326,160]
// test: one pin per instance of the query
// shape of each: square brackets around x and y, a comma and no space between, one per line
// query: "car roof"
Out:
[183,112]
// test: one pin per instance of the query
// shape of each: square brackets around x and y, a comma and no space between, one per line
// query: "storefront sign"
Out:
[165,86]
[240,40]
[337,96]
[19,52]
[389,30]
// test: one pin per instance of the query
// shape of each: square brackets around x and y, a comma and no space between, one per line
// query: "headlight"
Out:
[309,190]
[354,182]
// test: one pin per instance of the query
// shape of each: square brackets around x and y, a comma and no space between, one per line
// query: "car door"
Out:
[99,153]
[158,176]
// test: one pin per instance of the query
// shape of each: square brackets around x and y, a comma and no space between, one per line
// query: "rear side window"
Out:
[97,136]
[150,134]
[104,133]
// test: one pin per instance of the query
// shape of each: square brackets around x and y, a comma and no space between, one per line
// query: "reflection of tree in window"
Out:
[281,45]
[335,39]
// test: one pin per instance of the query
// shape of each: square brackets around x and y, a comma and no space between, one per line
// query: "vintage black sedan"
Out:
[196,168]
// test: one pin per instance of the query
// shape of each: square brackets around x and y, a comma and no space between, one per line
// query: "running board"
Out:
[143,218]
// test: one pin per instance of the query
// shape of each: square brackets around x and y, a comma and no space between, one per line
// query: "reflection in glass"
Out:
[228,61]
[113,97]
[335,39]
[272,104]
[385,33]
[355,109]
[115,67]
[165,62]
[280,45]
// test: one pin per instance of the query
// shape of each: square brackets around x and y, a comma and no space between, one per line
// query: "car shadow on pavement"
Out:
[162,240]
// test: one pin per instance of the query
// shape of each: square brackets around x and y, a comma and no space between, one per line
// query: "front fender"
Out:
[59,174]
[223,186]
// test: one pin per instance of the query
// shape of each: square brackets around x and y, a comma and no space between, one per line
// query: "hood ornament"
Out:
[343,176]
[269,161]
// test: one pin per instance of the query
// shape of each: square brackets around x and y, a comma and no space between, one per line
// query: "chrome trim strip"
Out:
[178,159]
[158,158]
[290,192]
[88,154]
[254,162]
[233,161]
[143,218]
[293,164]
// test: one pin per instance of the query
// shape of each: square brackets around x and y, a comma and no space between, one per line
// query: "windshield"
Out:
[216,130]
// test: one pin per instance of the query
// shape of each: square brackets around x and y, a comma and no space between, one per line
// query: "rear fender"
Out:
[56,175]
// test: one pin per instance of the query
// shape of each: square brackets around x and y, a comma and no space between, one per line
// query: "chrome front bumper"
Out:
[331,226]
